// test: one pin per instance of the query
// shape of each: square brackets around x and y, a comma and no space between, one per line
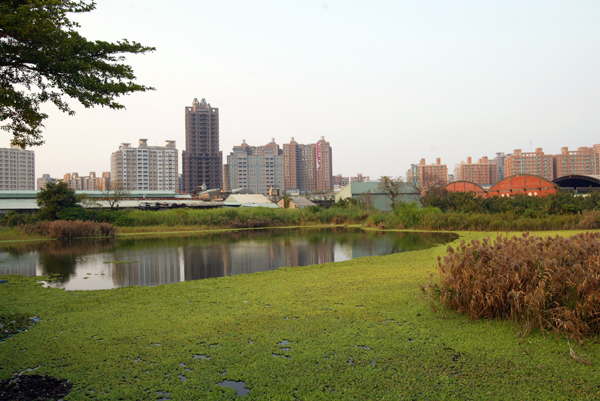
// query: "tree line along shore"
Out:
[453,211]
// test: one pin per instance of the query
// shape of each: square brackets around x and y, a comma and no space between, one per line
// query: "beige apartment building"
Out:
[427,175]
[584,160]
[17,169]
[42,181]
[536,163]
[146,167]
[484,172]
[88,183]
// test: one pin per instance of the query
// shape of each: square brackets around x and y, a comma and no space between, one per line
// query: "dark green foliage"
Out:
[54,198]
[347,203]
[509,221]
[43,58]
[106,215]
[123,220]
[547,284]
[14,218]
[520,205]
[73,213]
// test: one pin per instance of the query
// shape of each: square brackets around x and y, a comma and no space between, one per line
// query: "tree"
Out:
[392,187]
[43,59]
[286,200]
[426,183]
[54,198]
[115,193]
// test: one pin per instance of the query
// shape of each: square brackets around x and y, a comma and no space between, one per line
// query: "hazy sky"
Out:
[386,82]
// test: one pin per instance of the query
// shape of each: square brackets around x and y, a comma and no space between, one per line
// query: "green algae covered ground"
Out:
[350,330]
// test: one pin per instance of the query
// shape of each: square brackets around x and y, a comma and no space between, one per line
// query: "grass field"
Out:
[350,330]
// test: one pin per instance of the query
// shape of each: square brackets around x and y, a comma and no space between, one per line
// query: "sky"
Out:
[385,82]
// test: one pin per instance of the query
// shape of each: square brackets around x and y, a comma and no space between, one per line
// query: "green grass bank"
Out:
[356,330]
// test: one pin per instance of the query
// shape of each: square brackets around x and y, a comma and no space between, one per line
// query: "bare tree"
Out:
[365,199]
[115,193]
[426,183]
[392,188]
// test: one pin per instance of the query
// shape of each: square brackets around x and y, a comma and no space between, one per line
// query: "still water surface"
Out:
[90,264]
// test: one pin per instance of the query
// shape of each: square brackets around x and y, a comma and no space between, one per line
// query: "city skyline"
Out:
[402,81]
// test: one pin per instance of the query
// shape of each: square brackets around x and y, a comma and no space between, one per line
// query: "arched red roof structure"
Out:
[466,186]
[523,184]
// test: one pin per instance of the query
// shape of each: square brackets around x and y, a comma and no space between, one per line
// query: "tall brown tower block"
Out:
[202,159]
[307,167]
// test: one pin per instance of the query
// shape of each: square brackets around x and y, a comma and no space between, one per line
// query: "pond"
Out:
[110,263]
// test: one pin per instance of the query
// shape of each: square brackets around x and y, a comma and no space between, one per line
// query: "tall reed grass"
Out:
[547,284]
[246,217]
[68,229]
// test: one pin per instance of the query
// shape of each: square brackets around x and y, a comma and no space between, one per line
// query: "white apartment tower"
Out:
[151,168]
[256,168]
[17,169]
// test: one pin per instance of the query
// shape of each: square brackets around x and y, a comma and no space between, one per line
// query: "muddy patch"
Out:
[34,387]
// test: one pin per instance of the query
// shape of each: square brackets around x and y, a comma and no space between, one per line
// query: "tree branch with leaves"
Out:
[44,59]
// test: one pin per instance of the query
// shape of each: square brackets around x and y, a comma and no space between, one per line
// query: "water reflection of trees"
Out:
[163,260]
[341,235]
[61,256]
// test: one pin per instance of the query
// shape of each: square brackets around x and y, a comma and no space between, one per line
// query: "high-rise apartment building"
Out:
[202,159]
[341,181]
[42,181]
[499,161]
[88,183]
[256,168]
[427,175]
[145,167]
[308,167]
[584,160]
[17,169]
[536,163]
[483,172]
[360,178]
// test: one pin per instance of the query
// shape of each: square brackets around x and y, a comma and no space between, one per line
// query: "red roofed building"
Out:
[466,186]
[523,184]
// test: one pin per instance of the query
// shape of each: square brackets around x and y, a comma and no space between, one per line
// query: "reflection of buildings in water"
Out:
[156,266]
[25,264]
[307,253]
[252,256]
[204,261]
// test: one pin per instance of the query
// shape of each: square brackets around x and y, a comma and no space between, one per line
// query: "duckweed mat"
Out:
[350,330]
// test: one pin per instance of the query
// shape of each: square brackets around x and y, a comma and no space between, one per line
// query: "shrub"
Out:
[14,218]
[73,213]
[69,229]
[124,220]
[547,284]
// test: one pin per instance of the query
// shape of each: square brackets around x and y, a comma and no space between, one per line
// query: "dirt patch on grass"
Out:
[34,387]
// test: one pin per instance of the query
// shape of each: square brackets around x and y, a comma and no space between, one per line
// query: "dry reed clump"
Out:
[546,284]
[69,229]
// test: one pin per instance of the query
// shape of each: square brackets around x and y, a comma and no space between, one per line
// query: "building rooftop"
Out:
[31,194]
[301,201]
